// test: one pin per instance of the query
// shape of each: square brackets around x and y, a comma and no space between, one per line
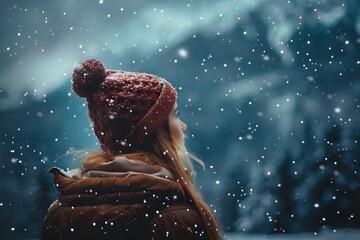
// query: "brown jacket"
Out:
[137,206]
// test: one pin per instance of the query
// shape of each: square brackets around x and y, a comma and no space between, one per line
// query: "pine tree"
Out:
[330,192]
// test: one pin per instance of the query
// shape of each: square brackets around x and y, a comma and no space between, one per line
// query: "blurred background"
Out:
[269,90]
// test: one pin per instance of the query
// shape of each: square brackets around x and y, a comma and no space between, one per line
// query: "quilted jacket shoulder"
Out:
[133,207]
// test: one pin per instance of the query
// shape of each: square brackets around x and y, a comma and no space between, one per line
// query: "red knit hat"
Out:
[125,107]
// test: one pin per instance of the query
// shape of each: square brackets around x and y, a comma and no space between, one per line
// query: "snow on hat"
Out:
[125,108]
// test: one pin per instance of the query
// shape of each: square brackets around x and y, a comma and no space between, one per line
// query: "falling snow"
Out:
[269,92]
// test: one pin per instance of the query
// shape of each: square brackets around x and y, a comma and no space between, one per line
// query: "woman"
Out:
[141,185]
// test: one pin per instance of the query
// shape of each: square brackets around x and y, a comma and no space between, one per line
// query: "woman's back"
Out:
[141,185]
[128,206]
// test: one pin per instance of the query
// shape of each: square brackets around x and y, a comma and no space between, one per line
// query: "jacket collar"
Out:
[127,188]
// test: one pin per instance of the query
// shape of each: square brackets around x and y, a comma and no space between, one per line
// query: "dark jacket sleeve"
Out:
[52,223]
[177,222]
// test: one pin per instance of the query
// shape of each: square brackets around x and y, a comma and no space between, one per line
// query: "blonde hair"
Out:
[170,153]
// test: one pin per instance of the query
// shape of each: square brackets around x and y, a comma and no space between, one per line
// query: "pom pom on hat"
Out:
[87,77]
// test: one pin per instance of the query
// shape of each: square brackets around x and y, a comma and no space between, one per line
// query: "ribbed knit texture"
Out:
[125,108]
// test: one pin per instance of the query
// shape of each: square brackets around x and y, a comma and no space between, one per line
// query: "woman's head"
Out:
[126,108]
